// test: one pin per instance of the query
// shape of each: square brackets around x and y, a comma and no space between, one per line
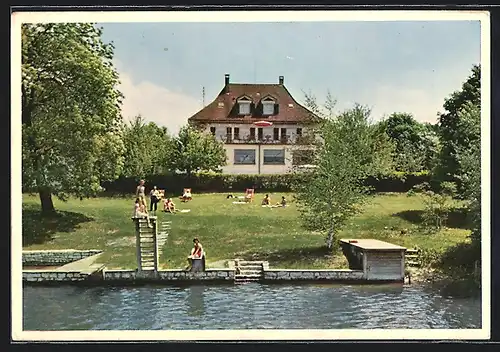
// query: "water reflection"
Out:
[251,306]
[195,300]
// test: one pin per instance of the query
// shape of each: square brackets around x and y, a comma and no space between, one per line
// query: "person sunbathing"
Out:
[280,204]
[283,201]
[169,206]
[140,210]
[266,200]
[248,197]
[187,195]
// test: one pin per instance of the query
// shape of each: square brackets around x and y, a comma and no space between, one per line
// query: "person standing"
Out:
[155,198]
[140,191]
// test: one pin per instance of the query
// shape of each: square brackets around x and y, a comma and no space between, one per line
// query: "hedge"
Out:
[217,182]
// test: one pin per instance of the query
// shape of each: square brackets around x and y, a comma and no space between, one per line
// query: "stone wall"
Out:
[55,257]
[170,275]
[305,274]
[38,276]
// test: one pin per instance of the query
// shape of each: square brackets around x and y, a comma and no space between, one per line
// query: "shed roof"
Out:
[371,244]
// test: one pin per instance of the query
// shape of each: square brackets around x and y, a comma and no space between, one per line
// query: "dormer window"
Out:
[244,104]
[268,104]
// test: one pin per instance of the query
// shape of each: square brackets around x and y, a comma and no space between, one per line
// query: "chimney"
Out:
[281,79]
[226,78]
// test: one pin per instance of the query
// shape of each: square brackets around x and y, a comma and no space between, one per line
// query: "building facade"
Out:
[264,130]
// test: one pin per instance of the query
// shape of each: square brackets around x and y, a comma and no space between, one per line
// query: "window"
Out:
[283,134]
[236,133]
[260,134]
[303,157]
[229,133]
[244,156]
[244,105]
[299,131]
[276,134]
[212,131]
[268,108]
[252,133]
[274,156]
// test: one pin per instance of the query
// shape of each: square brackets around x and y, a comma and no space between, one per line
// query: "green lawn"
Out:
[227,230]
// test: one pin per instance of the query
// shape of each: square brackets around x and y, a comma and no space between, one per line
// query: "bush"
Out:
[218,182]
[397,181]
[437,206]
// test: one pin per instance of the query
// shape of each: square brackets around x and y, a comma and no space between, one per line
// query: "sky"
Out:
[390,67]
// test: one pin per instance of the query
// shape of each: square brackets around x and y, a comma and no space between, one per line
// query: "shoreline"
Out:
[448,284]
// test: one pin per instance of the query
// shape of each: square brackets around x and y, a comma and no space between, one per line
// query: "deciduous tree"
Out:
[333,191]
[70,111]
[194,150]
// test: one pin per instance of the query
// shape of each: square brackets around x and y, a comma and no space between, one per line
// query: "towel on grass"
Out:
[239,202]
[184,210]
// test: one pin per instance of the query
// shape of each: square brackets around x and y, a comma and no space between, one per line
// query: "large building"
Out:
[263,128]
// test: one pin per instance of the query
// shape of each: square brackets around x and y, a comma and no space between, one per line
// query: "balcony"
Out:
[267,139]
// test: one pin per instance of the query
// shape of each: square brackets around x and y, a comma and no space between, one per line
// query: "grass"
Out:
[229,230]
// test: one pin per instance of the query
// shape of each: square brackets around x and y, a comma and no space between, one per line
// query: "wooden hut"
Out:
[379,260]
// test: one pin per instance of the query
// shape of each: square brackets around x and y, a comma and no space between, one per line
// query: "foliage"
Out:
[194,151]
[452,133]
[70,111]
[218,182]
[437,205]
[330,194]
[148,147]
[469,171]
[415,144]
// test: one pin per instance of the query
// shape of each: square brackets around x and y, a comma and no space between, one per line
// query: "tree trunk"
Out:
[329,241]
[46,201]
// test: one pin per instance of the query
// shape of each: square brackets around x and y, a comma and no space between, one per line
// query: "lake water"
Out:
[248,306]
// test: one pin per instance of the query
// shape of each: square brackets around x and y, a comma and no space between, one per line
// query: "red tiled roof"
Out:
[289,110]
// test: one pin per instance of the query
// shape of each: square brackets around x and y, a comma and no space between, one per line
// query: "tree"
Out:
[469,162]
[451,137]
[194,151]
[148,148]
[331,193]
[70,111]
[416,144]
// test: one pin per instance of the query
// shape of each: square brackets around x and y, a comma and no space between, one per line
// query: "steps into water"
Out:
[412,257]
[248,271]
[151,241]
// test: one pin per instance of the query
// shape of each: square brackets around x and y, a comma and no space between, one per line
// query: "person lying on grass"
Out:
[140,210]
[169,206]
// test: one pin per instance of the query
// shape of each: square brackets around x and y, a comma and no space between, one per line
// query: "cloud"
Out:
[155,103]
[422,104]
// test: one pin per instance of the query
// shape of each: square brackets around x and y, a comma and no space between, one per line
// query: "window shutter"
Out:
[259,109]
[252,108]
[276,109]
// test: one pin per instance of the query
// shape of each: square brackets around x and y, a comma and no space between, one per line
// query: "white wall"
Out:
[220,129]
[232,168]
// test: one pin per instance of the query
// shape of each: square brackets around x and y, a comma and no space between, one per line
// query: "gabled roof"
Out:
[289,110]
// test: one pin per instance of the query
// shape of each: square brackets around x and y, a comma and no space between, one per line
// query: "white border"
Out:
[244,16]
